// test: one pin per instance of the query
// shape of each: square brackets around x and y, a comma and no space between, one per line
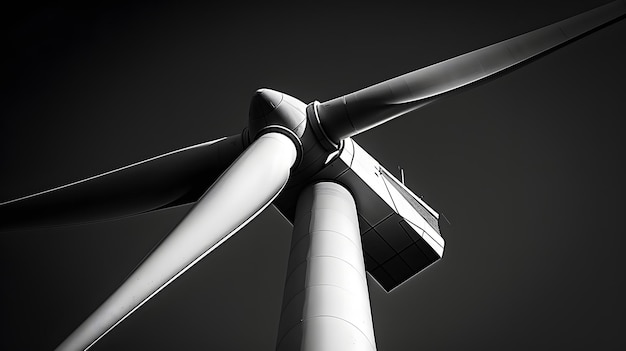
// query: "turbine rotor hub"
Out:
[272,108]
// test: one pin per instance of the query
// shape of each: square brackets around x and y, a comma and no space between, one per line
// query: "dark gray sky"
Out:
[527,168]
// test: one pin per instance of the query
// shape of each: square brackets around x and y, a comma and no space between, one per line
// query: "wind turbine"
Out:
[266,96]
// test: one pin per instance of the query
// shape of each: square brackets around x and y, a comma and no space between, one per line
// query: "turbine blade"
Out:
[248,186]
[351,114]
[171,179]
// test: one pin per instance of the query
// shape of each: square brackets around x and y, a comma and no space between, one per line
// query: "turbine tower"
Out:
[349,214]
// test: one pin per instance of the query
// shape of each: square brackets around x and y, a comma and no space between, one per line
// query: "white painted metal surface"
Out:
[326,302]
[244,190]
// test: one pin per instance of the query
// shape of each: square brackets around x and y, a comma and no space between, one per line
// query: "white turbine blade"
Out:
[351,114]
[171,179]
[241,192]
